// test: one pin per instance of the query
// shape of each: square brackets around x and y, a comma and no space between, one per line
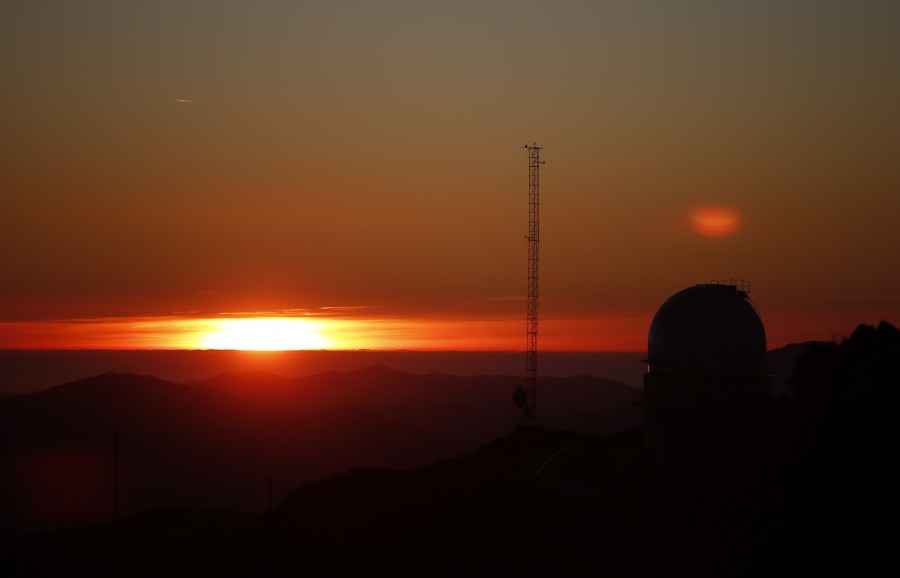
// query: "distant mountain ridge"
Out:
[24,371]
[781,363]
[475,408]
[179,445]
[215,444]
[801,486]
[216,441]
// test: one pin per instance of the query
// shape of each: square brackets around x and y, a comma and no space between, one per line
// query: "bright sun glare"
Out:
[265,334]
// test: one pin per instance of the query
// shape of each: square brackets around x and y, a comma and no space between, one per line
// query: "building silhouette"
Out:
[706,354]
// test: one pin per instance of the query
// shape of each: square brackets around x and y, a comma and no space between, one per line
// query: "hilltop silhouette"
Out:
[802,485]
[180,446]
[217,443]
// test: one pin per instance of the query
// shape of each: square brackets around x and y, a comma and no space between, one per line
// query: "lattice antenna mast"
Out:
[529,410]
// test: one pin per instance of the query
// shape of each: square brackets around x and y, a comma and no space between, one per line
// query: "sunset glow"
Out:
[266,334]
[360,170]
[716,221]
[300,286]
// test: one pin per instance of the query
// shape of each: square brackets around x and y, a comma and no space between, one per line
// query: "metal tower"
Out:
[529,408]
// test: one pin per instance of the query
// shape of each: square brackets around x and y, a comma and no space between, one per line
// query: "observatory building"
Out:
[706,351]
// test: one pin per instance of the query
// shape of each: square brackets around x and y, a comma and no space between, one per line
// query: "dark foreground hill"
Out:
[803,486]
[178,446]
[241,440]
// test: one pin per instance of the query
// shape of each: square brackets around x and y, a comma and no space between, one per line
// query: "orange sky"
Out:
[359,163]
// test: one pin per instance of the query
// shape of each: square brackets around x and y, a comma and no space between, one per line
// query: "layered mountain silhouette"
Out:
[470,410]
[801,486]
[178,446]
[24,371]
[221,443]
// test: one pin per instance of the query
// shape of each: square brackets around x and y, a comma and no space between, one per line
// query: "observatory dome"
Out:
[707,329]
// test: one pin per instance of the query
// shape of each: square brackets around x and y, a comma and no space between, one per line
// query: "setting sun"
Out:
[265,334]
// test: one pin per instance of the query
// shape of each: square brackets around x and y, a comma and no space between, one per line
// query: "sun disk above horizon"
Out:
[265,334]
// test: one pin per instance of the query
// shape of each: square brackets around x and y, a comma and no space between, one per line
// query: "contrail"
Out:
[185,100]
